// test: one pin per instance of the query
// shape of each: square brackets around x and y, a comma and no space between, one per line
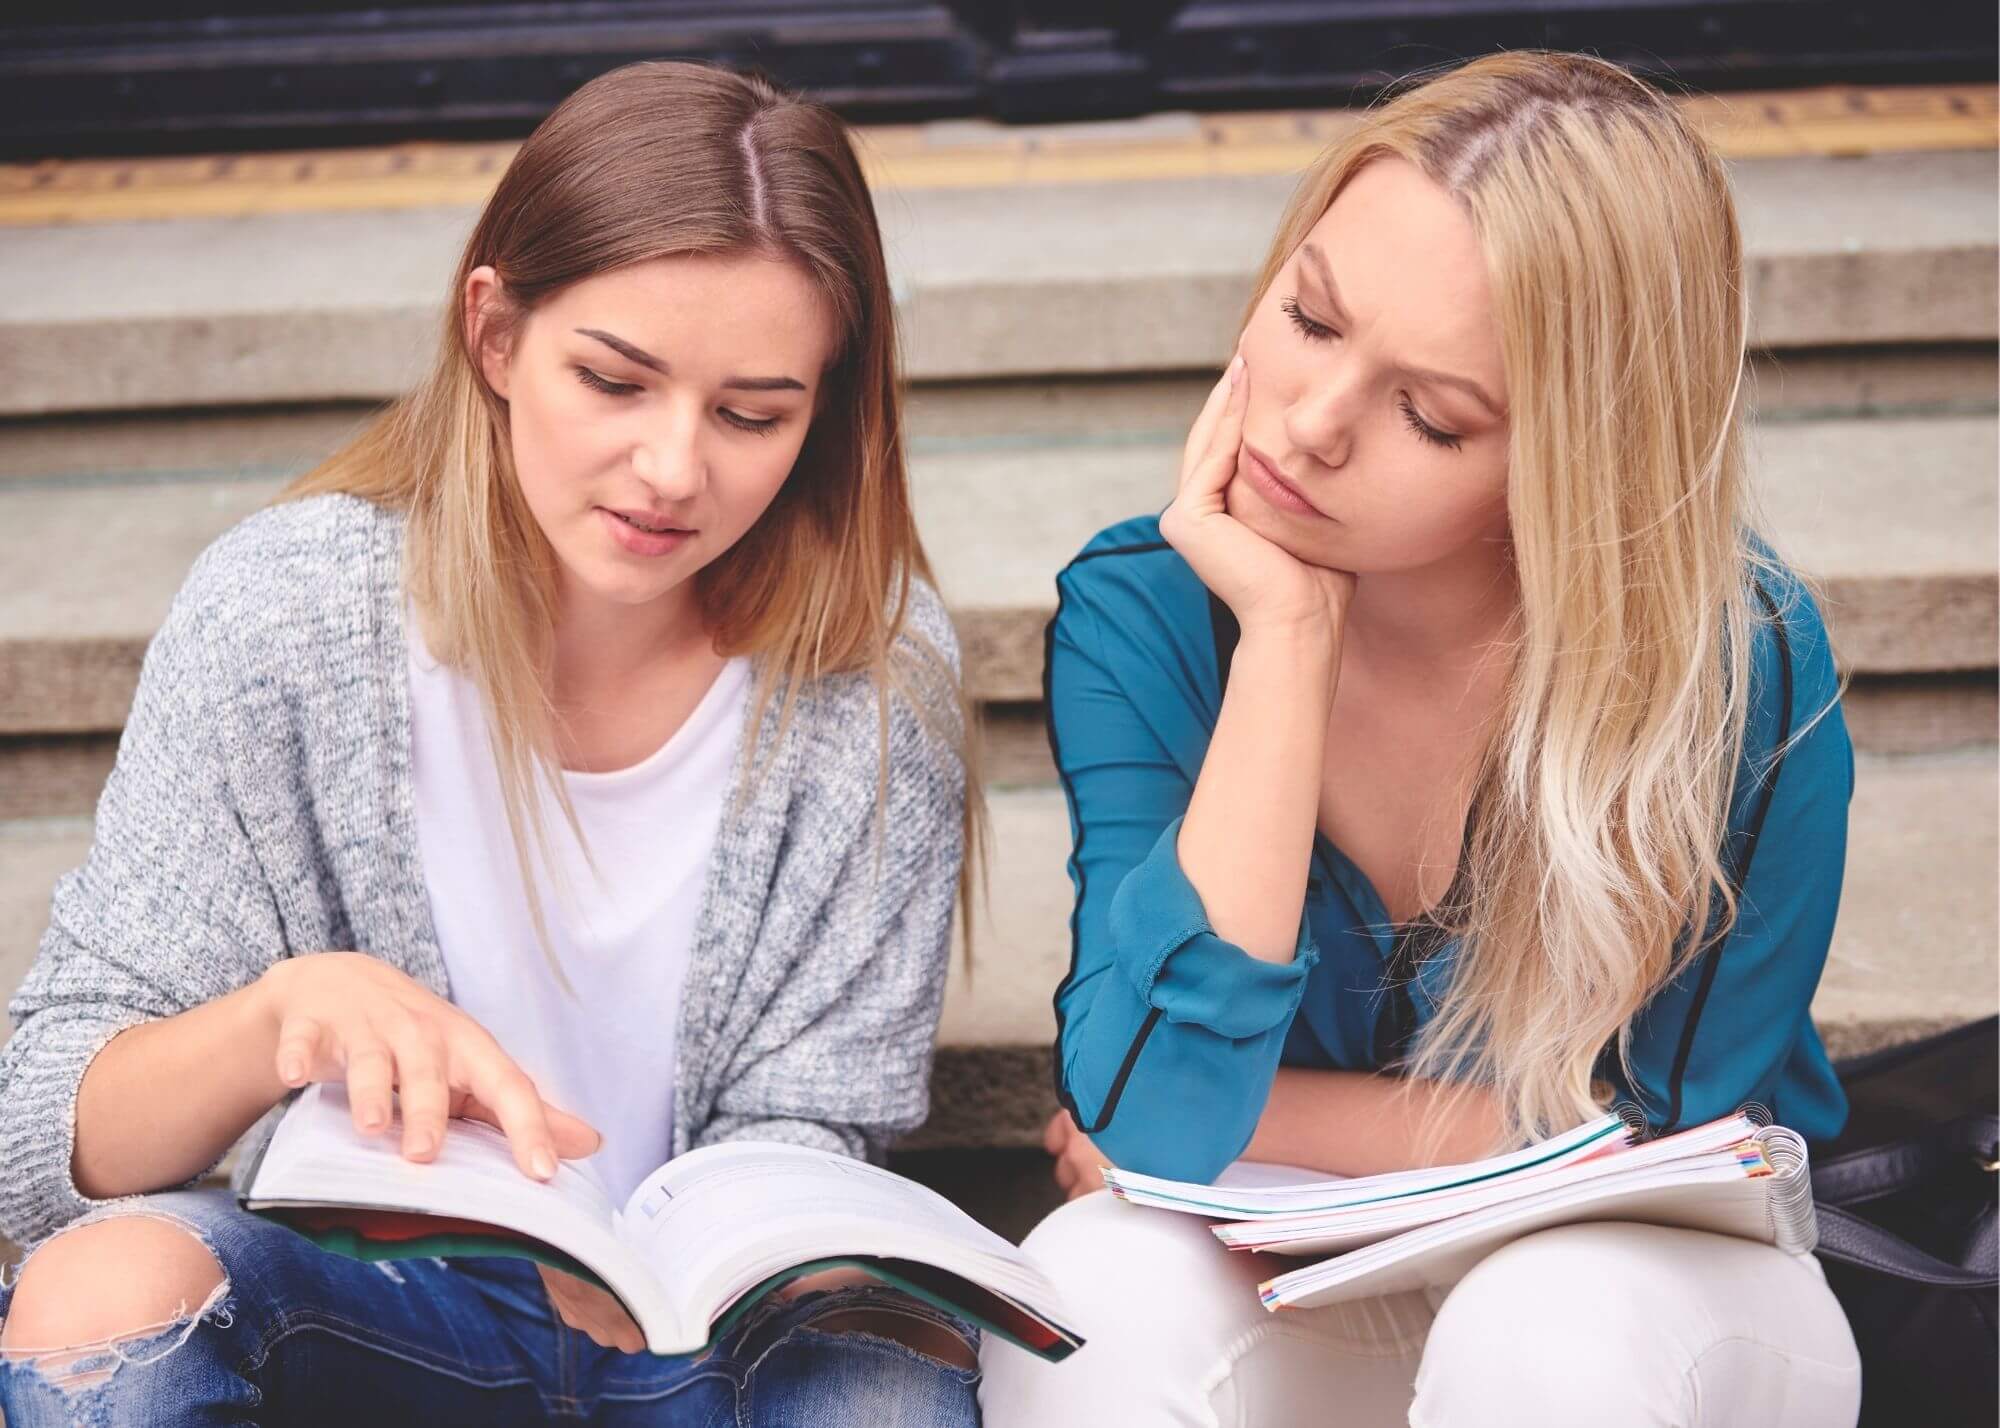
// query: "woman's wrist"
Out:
[1301,654]
[164,1098]
[1299,636]
[257,1015]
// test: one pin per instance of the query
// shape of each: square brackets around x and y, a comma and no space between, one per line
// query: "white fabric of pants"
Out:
[1594,1324]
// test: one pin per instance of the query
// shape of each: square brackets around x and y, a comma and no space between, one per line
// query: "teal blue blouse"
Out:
[1168,1036]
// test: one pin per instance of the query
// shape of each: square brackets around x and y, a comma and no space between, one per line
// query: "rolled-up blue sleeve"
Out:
[1736,1026]
[1168,1036]
[1162,940]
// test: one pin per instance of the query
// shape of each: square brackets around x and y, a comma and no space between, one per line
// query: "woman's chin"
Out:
[1248,510]
[613,582]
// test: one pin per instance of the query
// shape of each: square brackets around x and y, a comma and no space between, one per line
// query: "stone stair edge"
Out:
[93,574]
[1880,625]
[263,310]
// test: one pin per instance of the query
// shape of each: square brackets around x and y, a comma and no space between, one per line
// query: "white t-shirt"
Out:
[623,939]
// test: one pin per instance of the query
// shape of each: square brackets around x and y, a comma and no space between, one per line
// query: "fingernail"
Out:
[1236,369]
[422,1144]
[292,1071]
[544,1162]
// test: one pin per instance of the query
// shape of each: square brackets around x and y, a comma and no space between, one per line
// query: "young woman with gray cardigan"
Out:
[580,750]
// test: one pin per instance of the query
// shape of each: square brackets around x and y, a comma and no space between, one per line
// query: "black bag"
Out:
[1905,1202]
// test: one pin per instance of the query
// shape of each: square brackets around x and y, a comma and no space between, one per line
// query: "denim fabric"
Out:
[299,1336]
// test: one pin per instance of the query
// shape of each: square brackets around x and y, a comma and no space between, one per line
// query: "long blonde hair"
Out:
[650,161]
[1602,799]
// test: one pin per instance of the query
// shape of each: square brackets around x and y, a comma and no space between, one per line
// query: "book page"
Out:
[718,1221]
[317,1158]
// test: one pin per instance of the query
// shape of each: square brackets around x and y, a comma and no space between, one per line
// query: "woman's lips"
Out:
[1274,488]
[626,531]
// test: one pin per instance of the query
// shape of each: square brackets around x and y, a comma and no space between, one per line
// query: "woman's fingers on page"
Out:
[574,1136]
[298,1049]
[371,1076]
[517,1109]
[421,1087]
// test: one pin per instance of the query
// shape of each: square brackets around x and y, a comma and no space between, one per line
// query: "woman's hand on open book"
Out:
[1078,1165]
[591,1310]
[346,1016]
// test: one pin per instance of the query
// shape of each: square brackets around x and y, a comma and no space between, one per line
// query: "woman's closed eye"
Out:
[1312,330]
[1315,331]
[756,426]
[1450,440]
[598,382]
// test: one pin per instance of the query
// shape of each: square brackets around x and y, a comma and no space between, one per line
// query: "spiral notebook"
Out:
[1419,1228]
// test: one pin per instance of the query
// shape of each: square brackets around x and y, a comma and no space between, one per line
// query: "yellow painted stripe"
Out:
[1835,120]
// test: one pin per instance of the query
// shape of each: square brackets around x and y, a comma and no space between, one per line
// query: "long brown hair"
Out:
[652,161]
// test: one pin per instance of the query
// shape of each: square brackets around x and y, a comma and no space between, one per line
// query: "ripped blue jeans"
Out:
[295,1335]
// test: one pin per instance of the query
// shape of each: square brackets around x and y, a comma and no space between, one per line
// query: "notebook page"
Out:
[1696,1196]
[1324,1232]
[1248,1202]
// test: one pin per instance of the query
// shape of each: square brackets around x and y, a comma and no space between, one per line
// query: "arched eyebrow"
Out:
[646,359]
[1423,374]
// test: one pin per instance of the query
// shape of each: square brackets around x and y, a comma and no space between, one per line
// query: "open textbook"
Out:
[1414,1228]
[698,1242]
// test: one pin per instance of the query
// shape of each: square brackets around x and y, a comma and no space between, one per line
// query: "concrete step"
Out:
[1917,946]
[1935,379]
[1011,280]
[1908,561]
[1910,580]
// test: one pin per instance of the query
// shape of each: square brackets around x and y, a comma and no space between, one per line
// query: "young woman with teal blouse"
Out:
[1451,760]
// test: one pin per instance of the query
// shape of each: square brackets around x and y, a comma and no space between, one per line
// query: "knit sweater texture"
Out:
[260,808]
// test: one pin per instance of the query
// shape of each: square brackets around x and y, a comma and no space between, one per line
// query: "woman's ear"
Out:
[482,330]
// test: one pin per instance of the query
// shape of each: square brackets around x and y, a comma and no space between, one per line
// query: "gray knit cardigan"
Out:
[261,808]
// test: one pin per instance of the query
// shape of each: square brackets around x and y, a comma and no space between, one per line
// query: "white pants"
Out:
[1600,1324]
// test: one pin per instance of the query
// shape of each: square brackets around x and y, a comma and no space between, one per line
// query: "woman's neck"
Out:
[1449,615]
[605,646]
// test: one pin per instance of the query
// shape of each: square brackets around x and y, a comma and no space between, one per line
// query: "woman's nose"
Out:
[669,460]
[1321,419]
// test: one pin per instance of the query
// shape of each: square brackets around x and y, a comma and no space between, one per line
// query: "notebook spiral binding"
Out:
[1635,1120]
[1793,1224]
[1755,1112]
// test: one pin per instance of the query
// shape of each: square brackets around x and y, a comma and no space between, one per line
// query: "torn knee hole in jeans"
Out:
[73,1368]
[927,1336]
